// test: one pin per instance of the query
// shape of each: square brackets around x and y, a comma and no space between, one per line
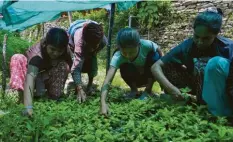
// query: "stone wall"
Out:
[181,21]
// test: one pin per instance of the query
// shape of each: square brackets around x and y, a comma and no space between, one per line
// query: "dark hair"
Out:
[212,18]
[127,36]
[93,33]
[56,37]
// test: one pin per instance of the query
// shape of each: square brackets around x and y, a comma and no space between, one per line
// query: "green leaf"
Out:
[89,138]
[185,90]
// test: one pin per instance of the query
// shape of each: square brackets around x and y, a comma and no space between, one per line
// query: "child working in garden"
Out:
[134,57]
[208,60]
[45,67]
[86,40]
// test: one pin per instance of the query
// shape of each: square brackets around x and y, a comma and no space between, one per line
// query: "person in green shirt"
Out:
[134,57]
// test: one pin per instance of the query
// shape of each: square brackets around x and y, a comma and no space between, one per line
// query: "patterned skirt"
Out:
[181,78]
[51,81]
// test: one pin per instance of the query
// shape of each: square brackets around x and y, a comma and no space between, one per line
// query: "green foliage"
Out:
[152,13]
[14,45]
[100,16]
[136,120]
[121,19]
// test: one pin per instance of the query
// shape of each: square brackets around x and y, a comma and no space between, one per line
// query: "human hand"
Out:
[174,91]
[28,111]
[104,109]
[81,96]
[177,95]
[90,90]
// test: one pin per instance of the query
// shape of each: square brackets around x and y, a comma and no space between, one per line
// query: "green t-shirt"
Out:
[146,47]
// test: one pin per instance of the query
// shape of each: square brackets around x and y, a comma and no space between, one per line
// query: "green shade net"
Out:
[22,14]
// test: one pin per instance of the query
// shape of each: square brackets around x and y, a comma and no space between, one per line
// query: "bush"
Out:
[14,45]
[152,13]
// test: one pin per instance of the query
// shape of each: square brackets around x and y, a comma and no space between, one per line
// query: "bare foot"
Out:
[131,95]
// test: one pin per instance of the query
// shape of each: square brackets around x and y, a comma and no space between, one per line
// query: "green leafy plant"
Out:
[14,45]
[152,13]
[135,120]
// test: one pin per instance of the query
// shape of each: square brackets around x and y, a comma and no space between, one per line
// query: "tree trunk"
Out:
[4,65]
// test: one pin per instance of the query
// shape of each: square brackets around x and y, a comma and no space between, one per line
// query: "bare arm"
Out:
[157,72]
[160,52]
[78,61]
[29,84]
[108,79]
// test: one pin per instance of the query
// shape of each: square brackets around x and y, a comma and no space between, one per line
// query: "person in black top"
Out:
[201,62]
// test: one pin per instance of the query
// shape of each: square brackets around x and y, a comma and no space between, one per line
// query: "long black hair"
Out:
[93,33]
[56,37]
[211,18]
[127,36]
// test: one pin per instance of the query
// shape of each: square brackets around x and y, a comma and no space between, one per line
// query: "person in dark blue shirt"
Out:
[201,62]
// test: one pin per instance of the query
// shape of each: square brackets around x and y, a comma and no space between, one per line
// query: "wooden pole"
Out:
[4,65]
[111,22]
[30,36]
[70,17]
[43,33]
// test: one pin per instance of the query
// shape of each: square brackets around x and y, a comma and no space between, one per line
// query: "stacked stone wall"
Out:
[181,22]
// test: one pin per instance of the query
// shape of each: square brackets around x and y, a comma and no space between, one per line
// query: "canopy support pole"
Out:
[111,22]
[70,17]
[42,30]
[4,65]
